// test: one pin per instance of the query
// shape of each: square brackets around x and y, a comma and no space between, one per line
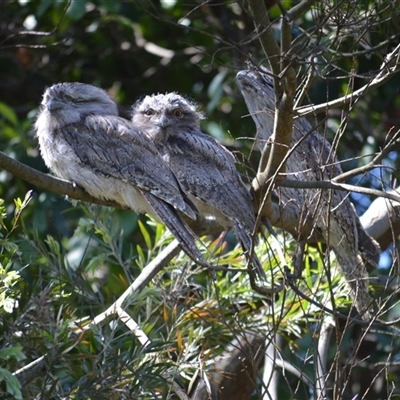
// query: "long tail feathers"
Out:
[246,243]
[185,236]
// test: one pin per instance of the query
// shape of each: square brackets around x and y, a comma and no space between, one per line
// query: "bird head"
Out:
[163,114]
[257,89]
[68,102]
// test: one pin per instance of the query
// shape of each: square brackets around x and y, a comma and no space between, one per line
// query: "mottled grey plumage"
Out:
[314,160]
[205,168]
[83,140]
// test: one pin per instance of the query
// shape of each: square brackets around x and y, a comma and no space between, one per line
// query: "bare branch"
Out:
[201,226]
[322,357]
[48,182]
[36,33]
[299,9]
[285,89]
[147,274]
[390,66]
[382,219]
[390,146]
[287,366]
[266,35]
[271,375]
[336,186]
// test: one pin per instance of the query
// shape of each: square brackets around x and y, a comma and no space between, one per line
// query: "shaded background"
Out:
[134,48]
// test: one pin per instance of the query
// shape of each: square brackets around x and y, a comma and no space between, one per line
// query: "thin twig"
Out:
[390,67]
[336,186]
[374,163]
[147,274]
[36,33]
[287,366]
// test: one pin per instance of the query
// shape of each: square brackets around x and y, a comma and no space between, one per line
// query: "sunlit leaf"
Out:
[145,233]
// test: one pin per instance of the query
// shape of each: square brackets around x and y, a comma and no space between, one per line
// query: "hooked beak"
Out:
[54,104]
[163,122]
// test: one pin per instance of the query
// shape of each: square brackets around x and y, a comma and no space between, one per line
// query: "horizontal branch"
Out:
[201,226]
[374,163]
[390,66]
[335,186]
[49,182]
[36,33]
[284,218]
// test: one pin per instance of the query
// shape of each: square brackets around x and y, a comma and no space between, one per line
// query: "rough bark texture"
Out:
[311,158]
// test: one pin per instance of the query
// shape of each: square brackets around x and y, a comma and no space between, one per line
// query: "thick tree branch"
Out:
[62,187]
[382,219]
[299,9]
[48,182]
[266,36]
[285,88]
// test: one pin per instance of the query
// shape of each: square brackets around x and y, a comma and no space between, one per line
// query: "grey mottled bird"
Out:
[205,168]
[83,140]
[331,212]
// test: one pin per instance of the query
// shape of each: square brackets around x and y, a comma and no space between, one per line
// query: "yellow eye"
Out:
[149,112]
[178,113]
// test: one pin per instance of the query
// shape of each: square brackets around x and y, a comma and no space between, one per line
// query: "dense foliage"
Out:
[63,263]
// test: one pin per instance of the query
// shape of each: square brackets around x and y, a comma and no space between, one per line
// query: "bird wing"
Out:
[185,236]
[110,146]
[207,171]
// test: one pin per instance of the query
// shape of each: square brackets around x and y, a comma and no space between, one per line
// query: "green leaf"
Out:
[53,245]
[141,255]
[12,352]
[8,114]
[160,229]
[13,386]
[145,234]
[215,90]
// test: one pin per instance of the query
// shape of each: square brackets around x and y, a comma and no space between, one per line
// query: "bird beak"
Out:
[54,104]
[163,122]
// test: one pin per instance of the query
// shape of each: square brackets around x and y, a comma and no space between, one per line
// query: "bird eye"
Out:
[178,113]
[149,112]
